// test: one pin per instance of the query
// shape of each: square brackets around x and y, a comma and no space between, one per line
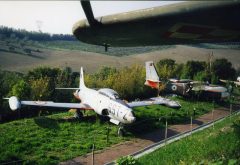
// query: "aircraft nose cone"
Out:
[133,119]
[130,117]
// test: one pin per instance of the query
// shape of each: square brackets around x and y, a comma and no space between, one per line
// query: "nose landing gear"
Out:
[121,130]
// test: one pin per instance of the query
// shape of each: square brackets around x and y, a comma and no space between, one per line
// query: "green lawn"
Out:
[151,114]
[220,145]
[51,139]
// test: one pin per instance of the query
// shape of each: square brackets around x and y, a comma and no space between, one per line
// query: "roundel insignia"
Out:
[174,87]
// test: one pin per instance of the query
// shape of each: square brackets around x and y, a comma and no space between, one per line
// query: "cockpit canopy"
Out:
[109,93]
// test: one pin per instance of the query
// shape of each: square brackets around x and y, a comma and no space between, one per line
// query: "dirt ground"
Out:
[136,144]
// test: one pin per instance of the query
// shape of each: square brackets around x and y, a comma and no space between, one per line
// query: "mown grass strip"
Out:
[221,143]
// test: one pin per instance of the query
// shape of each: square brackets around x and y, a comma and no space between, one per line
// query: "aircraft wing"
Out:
[210,88]
[58,105]
[180,23]
[237,83]
[155,101]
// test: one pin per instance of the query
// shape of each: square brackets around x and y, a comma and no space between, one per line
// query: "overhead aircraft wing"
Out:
[180,23]
[58,105]
[155,101]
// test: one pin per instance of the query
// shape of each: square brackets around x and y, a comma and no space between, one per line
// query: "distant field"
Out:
[54,138]
[62,55]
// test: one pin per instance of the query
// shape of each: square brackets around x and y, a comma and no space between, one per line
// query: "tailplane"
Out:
[152,78]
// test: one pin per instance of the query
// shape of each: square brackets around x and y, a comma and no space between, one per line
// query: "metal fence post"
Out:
[230,111]
[191,125]
[213,113]
[166,131]
[93,154]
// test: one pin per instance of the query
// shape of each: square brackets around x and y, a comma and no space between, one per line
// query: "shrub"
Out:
[127,160]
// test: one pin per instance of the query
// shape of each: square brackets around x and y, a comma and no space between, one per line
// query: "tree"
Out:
[166,68]
[223,69]
[129,82]
[21,89]
[41,89]
[191,68]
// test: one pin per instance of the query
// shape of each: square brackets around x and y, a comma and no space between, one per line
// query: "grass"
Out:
[52,139]
[153,113]
[220,145]
[76,45]
[112,51]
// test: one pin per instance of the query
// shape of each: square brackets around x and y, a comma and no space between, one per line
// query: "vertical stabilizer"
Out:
[152,78]
[81,79]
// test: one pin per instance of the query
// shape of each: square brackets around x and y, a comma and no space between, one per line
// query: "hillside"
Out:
[22,61]
[21,50]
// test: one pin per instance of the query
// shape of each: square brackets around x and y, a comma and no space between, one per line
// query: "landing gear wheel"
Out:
[78,114]
[121,131]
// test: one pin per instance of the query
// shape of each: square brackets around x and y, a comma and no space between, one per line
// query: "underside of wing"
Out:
[181,23]
[57,105]
[155,101]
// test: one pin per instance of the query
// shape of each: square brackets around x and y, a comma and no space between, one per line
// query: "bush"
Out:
[127,160]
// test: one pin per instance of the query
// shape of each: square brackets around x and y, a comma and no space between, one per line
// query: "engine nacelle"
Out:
[14,103]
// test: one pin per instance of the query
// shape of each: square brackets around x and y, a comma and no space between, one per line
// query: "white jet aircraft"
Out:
[105,102]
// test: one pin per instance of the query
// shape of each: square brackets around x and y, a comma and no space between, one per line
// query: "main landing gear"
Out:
[78,114]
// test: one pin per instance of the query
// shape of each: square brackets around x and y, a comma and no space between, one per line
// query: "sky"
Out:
[57,17]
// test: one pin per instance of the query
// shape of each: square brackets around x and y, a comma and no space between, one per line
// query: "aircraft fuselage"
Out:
[103,104]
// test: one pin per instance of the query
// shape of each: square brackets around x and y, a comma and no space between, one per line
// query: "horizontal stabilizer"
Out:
[68,88]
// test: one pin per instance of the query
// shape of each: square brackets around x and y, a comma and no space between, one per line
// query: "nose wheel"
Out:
[121,131]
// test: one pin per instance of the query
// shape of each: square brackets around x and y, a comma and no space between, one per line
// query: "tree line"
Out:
[6,32]
[40,83]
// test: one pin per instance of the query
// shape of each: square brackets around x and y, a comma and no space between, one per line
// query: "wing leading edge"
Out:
[58,105]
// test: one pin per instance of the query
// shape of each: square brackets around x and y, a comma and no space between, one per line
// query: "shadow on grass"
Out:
[46,122]
[89,119]
[151,130]
[11,158]
[49,123]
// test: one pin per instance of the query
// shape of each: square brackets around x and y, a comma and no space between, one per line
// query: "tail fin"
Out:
[152,78]
[81,79]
